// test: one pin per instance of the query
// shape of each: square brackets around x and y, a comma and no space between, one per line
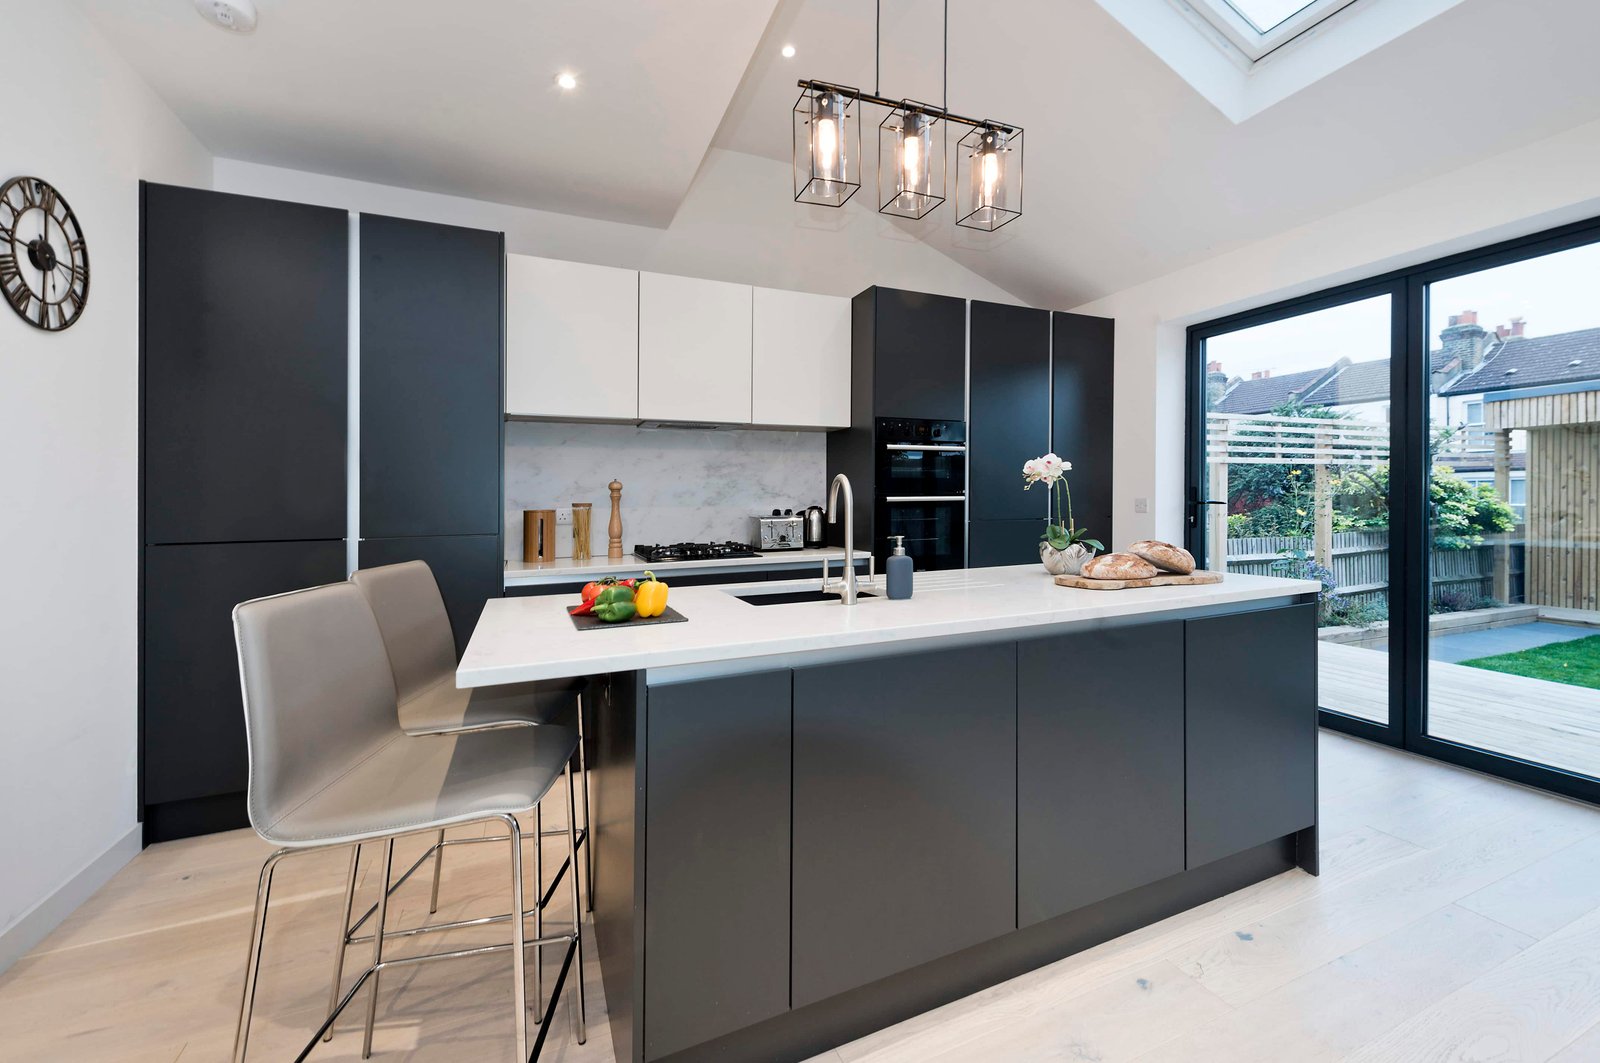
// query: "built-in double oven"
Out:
[922,490]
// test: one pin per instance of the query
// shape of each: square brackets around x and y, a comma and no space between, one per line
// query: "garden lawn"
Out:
[1576,663]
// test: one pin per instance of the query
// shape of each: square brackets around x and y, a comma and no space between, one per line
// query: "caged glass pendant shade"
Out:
[827,146]
[911,172]
[989,177]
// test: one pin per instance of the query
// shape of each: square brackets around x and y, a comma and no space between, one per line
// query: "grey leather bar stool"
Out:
[331,767]
[416,632]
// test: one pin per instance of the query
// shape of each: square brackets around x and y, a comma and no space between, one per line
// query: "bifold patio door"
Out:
[1427,446]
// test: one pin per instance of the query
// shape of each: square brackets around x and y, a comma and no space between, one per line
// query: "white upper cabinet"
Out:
[694,350]
[572,340]
[801,365]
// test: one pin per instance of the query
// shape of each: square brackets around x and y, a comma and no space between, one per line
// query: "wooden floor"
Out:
[1457,918]
[1551,723]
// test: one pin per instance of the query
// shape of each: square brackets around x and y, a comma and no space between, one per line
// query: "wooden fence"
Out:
[1360,564]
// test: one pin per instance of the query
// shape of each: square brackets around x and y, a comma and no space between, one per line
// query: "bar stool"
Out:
[331,767]
[410,610]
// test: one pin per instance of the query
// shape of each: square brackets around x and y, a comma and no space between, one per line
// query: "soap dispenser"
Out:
[899,570]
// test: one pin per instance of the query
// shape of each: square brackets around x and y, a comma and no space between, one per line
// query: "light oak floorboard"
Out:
[1294,968]
[1528,1008]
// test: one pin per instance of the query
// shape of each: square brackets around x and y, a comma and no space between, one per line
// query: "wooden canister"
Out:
[582,519]
[538,535]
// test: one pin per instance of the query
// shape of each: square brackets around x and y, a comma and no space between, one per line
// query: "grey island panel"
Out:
[904,813]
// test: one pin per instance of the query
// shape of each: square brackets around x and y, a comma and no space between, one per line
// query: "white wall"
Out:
[69,472]
[738,223]
[1547,183]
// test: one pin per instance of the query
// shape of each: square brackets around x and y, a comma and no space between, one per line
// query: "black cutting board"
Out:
[590,622]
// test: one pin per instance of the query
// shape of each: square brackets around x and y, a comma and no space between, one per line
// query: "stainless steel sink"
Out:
[795,597]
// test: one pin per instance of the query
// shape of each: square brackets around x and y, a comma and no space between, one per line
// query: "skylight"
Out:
[1246,55]
[1267,15]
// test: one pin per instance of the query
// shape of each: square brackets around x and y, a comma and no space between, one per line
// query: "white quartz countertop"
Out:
[531,638]
[566,570]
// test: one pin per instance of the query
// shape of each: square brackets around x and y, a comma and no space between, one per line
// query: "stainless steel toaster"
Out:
[781,531]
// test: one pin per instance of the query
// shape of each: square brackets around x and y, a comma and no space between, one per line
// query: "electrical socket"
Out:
[1141,505]
[564,518]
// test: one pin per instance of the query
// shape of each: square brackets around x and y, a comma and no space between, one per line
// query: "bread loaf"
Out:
[1118,566]
[1165,556]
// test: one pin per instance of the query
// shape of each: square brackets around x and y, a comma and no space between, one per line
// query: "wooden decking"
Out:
[1550,723]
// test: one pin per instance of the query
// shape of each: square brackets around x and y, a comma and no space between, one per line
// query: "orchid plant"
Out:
[1052,472]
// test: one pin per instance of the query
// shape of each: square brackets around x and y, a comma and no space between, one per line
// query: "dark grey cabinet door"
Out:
[1004,542]
[716,937]
[431,371]
[1082,393]
[1009,420]
[1099,766]
[919,355]
[193,734]
[468,569]
[244,363]
[1251,689]
[904,813]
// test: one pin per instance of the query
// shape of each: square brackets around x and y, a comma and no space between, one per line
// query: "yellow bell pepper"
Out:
[650,596]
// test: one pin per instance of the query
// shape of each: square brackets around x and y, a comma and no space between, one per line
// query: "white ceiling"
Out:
[458,97]
[1131,174]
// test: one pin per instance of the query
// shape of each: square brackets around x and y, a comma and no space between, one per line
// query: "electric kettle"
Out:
[816,517]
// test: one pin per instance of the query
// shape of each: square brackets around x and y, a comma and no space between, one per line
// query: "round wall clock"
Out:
[44,262]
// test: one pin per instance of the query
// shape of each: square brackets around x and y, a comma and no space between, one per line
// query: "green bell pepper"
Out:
[615,604]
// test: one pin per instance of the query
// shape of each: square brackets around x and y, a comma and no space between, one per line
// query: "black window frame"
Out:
[1408,477]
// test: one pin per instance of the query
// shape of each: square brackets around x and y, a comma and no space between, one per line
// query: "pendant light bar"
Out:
[883,101]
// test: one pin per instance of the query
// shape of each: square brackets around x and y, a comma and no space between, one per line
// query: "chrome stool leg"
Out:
[519,955]
[577,912]
[588,826]
[538,912]
[438,865]
[344,933]
[258,930]
[377,946]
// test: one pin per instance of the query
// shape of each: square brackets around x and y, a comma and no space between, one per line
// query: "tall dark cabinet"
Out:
[432,354]
[1082,379]
[1009,423]
[244,406]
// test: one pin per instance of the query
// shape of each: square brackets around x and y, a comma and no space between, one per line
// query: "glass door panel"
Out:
[1294,481]
[1514,511]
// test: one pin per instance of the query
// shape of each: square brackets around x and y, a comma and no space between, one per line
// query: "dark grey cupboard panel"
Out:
[468,569]
[904,813]
[716,907]
[1081,393]
[244,338]
[1004,542]
[193,733]
[1010,409]
[1251,682]
[431,370]
[919,355]
[1099,766]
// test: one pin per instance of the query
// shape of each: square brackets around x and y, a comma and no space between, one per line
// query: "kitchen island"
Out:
[812,820]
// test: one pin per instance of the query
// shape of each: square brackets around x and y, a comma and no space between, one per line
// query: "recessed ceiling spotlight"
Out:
[788,51]
[235,16]
[567,81]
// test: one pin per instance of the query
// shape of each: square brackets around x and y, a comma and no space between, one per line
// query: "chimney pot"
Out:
[1213,367]
[1517,325]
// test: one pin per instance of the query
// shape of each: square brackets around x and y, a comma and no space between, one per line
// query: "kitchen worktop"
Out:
[525,639]
[566,570]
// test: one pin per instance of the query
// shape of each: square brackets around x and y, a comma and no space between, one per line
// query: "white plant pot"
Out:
[1064,562]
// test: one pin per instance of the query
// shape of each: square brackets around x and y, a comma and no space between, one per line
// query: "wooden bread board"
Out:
[1166,579]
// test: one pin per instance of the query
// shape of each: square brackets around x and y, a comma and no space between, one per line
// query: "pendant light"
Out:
[989,177]
[911,151]
[827,145]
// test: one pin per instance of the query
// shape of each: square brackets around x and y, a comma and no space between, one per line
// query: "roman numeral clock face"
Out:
[44,262]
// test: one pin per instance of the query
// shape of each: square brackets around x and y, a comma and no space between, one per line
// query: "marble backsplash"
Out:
[678,485]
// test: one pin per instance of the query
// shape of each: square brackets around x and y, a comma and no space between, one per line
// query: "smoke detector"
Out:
[235,16]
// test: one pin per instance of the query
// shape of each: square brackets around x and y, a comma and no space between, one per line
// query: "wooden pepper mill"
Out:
[614,529]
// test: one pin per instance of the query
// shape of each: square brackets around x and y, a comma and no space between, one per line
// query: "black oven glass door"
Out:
[934,531]
[912,469]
